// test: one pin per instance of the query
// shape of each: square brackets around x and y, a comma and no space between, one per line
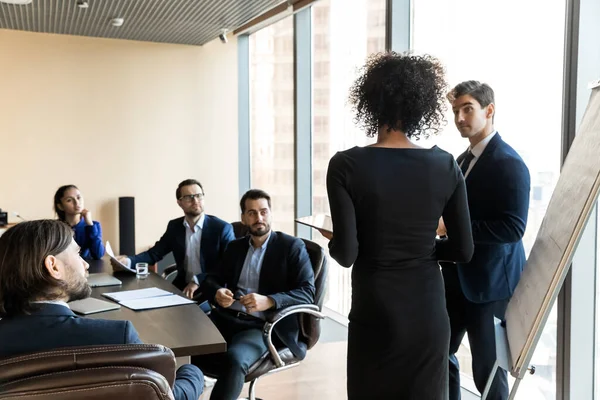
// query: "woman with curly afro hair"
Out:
[386,200]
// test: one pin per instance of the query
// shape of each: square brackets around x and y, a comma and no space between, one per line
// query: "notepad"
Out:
[156,302]
[144,299]
[137,294]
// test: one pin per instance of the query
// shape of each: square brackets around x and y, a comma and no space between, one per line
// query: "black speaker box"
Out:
[127,225]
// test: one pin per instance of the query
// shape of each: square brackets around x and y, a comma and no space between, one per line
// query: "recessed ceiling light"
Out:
[16,2]
[117,21]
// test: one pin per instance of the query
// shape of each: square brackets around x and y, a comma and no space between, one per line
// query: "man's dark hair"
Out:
[60,193]
[403,91]
[23,276]
[187,182]
[254,194]
[482,92]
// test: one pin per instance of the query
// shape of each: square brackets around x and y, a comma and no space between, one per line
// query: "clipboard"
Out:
[317,221]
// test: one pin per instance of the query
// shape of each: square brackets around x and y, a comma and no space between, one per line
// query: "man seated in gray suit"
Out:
[40,271]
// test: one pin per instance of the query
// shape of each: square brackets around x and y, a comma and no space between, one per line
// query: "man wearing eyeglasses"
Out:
[197,240]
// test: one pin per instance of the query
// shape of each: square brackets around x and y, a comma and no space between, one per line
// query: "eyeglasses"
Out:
[191,197]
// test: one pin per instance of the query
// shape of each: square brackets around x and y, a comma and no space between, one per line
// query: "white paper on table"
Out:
[137,294]
[111,254]
[156,302]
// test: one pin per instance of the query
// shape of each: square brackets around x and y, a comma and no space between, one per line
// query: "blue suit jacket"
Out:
[216,234]
[286,276]
[498,193]
[55,326]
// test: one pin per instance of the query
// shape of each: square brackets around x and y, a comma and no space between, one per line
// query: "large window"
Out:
[521,56]
[344,34]
[272,118]
[597,311]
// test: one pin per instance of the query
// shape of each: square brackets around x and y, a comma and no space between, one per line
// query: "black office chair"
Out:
[275,360]
[239,230]
[170,273]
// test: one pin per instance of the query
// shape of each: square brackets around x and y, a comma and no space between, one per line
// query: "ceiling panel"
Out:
[193,22]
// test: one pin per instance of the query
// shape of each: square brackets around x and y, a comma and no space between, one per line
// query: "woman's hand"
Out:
[441,229]
[328,235]
[87,216]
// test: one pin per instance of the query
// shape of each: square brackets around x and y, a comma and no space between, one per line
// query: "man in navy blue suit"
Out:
[497,183]
[40,271]
[197,240]
[266,272]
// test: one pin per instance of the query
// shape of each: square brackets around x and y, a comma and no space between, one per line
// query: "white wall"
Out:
[116,118]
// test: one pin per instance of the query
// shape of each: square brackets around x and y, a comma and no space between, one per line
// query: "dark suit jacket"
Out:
[498,193]
[55,326]
[216,234]
[286,276]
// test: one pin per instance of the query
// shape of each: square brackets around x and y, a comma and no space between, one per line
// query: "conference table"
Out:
[185,329]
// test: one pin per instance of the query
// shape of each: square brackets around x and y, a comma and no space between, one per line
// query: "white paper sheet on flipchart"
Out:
[146,293]
[156,302]
[111,254]
[572,200]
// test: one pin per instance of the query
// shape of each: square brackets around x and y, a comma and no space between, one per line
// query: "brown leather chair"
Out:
[275,360]
[135,371]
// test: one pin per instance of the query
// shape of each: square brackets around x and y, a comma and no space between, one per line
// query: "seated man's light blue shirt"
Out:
[193,241]
[250,275]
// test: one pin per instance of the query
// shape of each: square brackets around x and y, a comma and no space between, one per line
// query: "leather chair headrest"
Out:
[153,357]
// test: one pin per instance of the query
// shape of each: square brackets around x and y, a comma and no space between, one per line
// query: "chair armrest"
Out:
[168,270]
[277,316]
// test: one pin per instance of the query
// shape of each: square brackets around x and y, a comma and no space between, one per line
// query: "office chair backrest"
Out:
[310,325]
[239,230]
[140,371]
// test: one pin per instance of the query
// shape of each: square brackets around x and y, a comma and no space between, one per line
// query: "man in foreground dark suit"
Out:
[40,271]
[266,272]
[497,183]
[197,240]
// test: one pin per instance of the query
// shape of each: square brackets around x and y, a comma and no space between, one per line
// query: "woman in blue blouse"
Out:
[68,204]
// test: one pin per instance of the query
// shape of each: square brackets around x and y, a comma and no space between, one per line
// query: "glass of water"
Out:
[141,270]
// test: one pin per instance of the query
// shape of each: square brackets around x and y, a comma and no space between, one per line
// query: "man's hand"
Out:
[121,259]
[87,216]
[441,230]
[190,289]
[256,302]
[224,297]
[328,235]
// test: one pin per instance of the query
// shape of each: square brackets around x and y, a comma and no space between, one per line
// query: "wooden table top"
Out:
[186,330]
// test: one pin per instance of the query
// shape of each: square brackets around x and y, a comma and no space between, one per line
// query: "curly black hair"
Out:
[403,91]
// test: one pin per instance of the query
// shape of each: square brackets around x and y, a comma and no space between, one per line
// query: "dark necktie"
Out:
[466,162]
